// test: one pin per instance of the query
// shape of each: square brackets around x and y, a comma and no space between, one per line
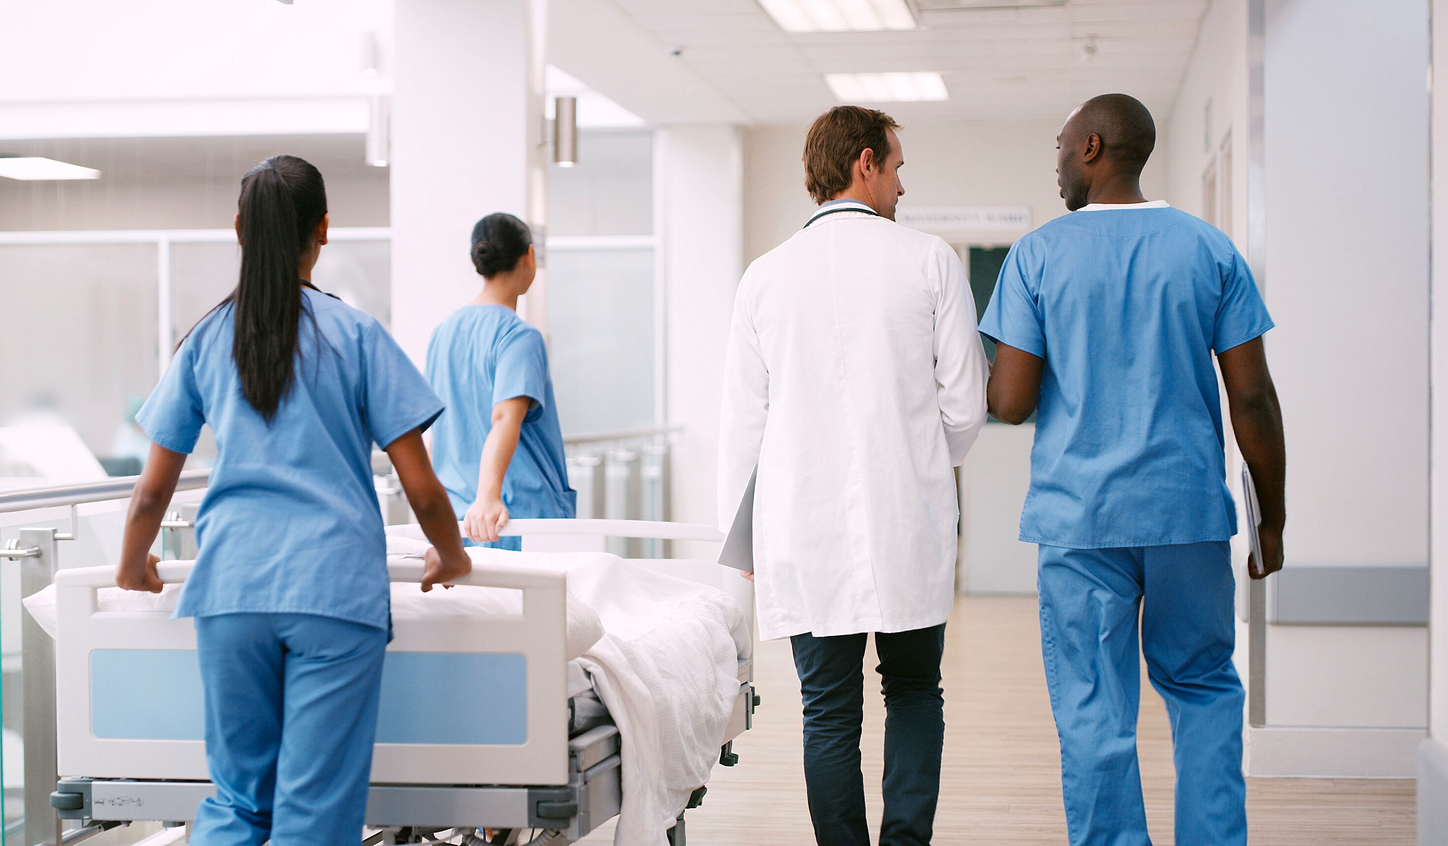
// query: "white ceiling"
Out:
[1020,60]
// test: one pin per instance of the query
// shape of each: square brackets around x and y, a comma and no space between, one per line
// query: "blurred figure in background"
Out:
[499,449]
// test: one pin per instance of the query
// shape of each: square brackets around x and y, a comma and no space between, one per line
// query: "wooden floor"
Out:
[1001,779]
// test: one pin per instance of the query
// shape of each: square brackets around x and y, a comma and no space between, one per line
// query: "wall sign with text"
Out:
[941,220]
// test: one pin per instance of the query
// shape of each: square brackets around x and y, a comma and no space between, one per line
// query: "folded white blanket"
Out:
[667,668]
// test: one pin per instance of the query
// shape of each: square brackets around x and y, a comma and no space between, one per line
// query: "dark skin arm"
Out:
[152,496]
[1257,422]
[1015,385]
[445,560]
[1015,388]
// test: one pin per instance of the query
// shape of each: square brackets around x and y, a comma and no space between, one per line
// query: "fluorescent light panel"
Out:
[34,168]
[887,87]
[840,15]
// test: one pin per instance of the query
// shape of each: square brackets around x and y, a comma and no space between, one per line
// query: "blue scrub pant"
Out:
[291,713]
[1090,600]
[832,685]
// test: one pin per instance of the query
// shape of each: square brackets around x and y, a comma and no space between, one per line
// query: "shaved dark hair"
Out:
[1124,125]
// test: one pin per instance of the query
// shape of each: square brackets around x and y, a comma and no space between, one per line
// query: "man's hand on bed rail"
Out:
[435,571]
[446,559]
[145,578]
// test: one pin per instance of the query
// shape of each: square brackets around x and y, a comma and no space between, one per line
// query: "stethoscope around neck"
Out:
[854,206]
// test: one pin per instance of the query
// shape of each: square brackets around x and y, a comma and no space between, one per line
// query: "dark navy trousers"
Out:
[832,686]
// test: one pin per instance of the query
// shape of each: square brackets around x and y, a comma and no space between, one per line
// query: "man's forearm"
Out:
[1258,429]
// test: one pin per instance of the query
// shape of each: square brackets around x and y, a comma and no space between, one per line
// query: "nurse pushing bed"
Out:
[499,448]
[290,589]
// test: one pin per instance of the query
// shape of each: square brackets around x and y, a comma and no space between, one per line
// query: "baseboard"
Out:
[1432,793]
[1299,752]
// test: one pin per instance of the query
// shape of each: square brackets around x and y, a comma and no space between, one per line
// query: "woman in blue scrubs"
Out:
[289,589]
[500,451]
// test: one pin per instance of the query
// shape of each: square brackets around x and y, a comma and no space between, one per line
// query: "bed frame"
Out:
[140,755]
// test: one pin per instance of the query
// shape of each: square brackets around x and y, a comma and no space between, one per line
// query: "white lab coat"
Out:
[855,380]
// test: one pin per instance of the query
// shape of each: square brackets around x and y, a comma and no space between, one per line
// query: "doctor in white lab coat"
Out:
[855,381]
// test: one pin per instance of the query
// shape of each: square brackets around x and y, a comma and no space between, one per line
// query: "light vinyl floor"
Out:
[1001,778]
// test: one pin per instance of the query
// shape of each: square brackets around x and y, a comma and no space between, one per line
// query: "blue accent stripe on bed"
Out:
[454,698]
[427,697]
[146,694]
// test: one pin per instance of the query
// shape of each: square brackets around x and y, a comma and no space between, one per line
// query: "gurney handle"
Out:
[650,529]
[483,575]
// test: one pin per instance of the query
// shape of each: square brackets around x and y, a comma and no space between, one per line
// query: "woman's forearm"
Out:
[498,449]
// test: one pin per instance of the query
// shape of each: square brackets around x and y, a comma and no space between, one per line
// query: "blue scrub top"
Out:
[480,356]
[1127,306]
[290,522]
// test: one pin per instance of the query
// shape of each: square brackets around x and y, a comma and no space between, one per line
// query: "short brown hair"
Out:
[836,140]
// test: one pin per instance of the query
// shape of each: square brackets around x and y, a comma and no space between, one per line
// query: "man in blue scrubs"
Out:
[1107,321]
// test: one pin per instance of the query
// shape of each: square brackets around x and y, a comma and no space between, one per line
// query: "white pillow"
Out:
[409,602]
[41,605]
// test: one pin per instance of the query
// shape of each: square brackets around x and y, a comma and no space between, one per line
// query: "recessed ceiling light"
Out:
[887,87]
[840,15]
[39,168]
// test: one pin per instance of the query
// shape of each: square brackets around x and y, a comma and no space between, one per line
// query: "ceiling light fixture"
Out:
[887,87]
[38,168]
[379,131]
[369,53]
[840,15]
[565,131]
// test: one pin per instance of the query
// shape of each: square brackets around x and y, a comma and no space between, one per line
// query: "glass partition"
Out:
[601,337]
[80,345]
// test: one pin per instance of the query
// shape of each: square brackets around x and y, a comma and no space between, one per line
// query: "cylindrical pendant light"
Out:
[565,131]
[379,131]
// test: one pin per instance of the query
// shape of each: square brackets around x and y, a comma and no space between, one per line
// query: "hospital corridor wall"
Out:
[1348,612]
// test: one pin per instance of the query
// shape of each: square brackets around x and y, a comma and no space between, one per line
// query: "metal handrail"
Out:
[31,499]
[621,435]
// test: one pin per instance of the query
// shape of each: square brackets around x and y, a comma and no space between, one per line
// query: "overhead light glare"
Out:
[840,15]
[887,87]
[39,168]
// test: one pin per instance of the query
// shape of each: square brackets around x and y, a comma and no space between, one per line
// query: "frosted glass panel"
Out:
[359,272]
[609,191]
[601,336]
[80,342]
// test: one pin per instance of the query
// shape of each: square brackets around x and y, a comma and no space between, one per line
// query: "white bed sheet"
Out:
[667,668]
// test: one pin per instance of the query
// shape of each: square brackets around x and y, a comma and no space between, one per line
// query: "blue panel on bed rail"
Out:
[146,694]
[427,697]
[453,698]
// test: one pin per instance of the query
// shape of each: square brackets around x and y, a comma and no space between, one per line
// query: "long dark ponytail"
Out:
[282,201]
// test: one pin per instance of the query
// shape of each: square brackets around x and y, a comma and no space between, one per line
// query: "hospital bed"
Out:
[478,741]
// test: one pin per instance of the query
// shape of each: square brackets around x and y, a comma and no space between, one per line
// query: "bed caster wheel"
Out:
[727,756]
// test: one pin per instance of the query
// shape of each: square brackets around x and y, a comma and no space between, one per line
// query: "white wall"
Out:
[1438,650]
[182,50]
[1347,283]
[701,175]
[466,132]
[1216,74]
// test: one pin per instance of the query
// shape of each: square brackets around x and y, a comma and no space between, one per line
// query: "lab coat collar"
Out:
[838,206]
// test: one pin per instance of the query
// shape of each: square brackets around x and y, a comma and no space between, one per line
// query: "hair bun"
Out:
[499,241]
